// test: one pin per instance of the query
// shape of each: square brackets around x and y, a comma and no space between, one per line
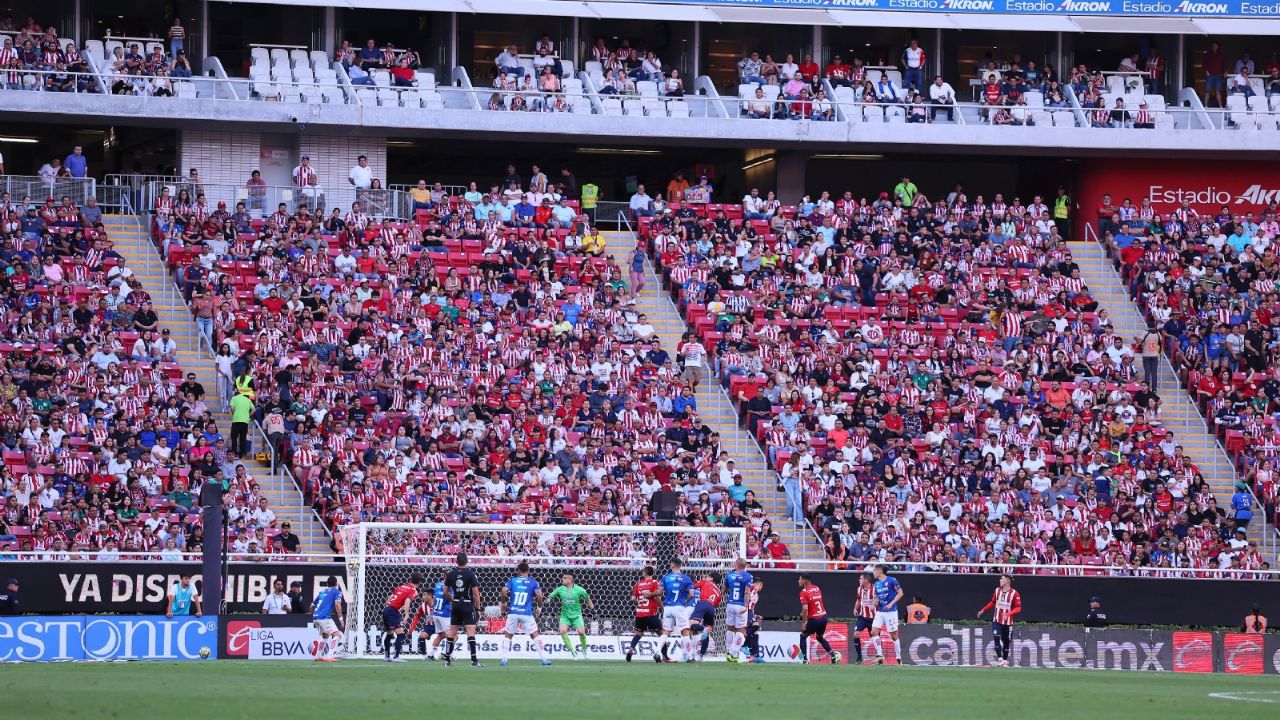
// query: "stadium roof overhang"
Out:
[823,13]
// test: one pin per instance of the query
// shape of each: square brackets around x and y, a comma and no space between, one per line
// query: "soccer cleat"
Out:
[319,659]
[657,659]
[628,656]
[836,657]
[386,658]
[476,663]
[731,658]
[397,659]
[758,661]
[545,662]
[879,660]
[448,661]
[503,662]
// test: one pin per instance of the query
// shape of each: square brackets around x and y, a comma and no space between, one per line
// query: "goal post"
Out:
[606,560]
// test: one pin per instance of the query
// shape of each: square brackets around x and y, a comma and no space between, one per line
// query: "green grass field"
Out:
[368,690]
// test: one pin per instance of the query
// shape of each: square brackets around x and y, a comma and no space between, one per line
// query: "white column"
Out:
[696,62]
[453,45]
[1180,70]
[819,56]
[937,56]
[329,34]
[204,32]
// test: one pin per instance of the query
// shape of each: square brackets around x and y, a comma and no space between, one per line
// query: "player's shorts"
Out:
[652,623]
[861,623]
[704,613]
[815,626]
[441,623]
[521,624]
[326,626]
[886,620]
[572,621]
[462,615]
[676,618]
[735,616]
[391,618]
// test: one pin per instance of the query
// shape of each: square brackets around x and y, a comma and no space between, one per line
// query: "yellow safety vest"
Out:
[590,193]
[1061,206]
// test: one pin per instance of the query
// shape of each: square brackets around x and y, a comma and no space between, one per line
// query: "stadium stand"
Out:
[1203,282]
[984,410]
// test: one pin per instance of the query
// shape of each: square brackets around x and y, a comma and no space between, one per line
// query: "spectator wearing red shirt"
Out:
[838,73]
[1214,79]
[809,68]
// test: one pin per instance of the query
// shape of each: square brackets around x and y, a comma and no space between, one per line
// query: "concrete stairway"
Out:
[1178,411]
[715,409]
[283,496]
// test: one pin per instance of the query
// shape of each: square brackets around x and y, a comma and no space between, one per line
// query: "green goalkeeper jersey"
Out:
[571,600]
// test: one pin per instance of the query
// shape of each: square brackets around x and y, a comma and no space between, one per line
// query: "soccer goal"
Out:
[606,561]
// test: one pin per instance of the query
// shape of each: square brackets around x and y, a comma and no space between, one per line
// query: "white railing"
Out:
[262,200]
[34,189]
[1017,569]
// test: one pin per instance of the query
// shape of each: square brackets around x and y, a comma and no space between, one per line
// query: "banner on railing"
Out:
[1124,8]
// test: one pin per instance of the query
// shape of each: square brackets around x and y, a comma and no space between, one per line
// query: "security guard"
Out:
[1097,617]
[9,598]
[917,611]
[1062,211]
[297,605]
[590,196]
[1255,623]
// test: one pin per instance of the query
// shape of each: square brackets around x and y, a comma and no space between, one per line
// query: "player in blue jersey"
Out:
[678,599]
[737,589]
[326,614]
[521,600]
[434,615]
[888,593]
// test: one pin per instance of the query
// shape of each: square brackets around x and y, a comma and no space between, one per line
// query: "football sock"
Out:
[399,643]
[857,648]
[582,644]
[897,650]
[822,640]
[804,646]
[753,643]
[448,649]
[506,647]
[542,649]
[666,642]
[386,645]
[471,645]
[567,645]
[706,641]
[635,640]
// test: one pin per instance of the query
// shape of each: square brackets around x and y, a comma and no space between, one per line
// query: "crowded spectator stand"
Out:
[934,383]
[1206,284]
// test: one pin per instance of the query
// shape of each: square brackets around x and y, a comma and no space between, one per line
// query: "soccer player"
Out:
[571,597]
[326,613]
[737,588]
[677,603]
[864,610]
[753,622]
[520,599]
[703,620]
[813,613]
[646,595]
[433,612]
[888,593]
[1007,603]
[462,590]
[393,619]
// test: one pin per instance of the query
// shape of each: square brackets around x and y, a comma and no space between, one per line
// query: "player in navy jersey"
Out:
[326,613]
[522,598]
[813,613]
[393,617]
[737,588]
[864,612]
[753,622]
[888,593]
[678,599]
[1007,603]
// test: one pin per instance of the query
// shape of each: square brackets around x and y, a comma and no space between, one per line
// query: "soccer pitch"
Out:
[285,690]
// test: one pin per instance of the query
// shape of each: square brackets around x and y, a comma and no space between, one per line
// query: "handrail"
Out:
[214,65]
[1192,98]
[1020,569]
[702,85]
[1082,118]
[462,79]
[318,198]
[94,86]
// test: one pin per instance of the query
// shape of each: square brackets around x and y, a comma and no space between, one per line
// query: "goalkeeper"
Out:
[571,598]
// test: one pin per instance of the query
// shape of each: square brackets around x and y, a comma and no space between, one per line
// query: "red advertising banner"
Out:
[1242,653]
[1206,186]
[1192,651]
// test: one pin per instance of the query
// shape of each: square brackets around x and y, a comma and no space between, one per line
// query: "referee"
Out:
[462,590]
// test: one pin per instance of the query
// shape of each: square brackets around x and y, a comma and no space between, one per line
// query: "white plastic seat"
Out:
[872,113]
[331,94]
[1154,102]
[566,67]
[612,106]
[381,78]
[1035,99]
[109,47]
[581,106]
[431,100]
[1237,102]
[896,114]
[279,56]
[290,94]
[311,94]
[388,97]
[646,88]
[299,57]
[95,48]
[267,91]
[367,96]
[184,89]
[678,108]
[593,67]
[426,79]
[1116,84]
[303,74]
[653,106]
[259,56]
[772,92]
[746,91]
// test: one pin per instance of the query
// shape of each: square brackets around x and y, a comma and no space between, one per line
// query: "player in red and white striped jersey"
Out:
[864,610]
[1007,603]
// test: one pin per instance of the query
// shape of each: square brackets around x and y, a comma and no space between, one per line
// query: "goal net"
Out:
[607,561]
